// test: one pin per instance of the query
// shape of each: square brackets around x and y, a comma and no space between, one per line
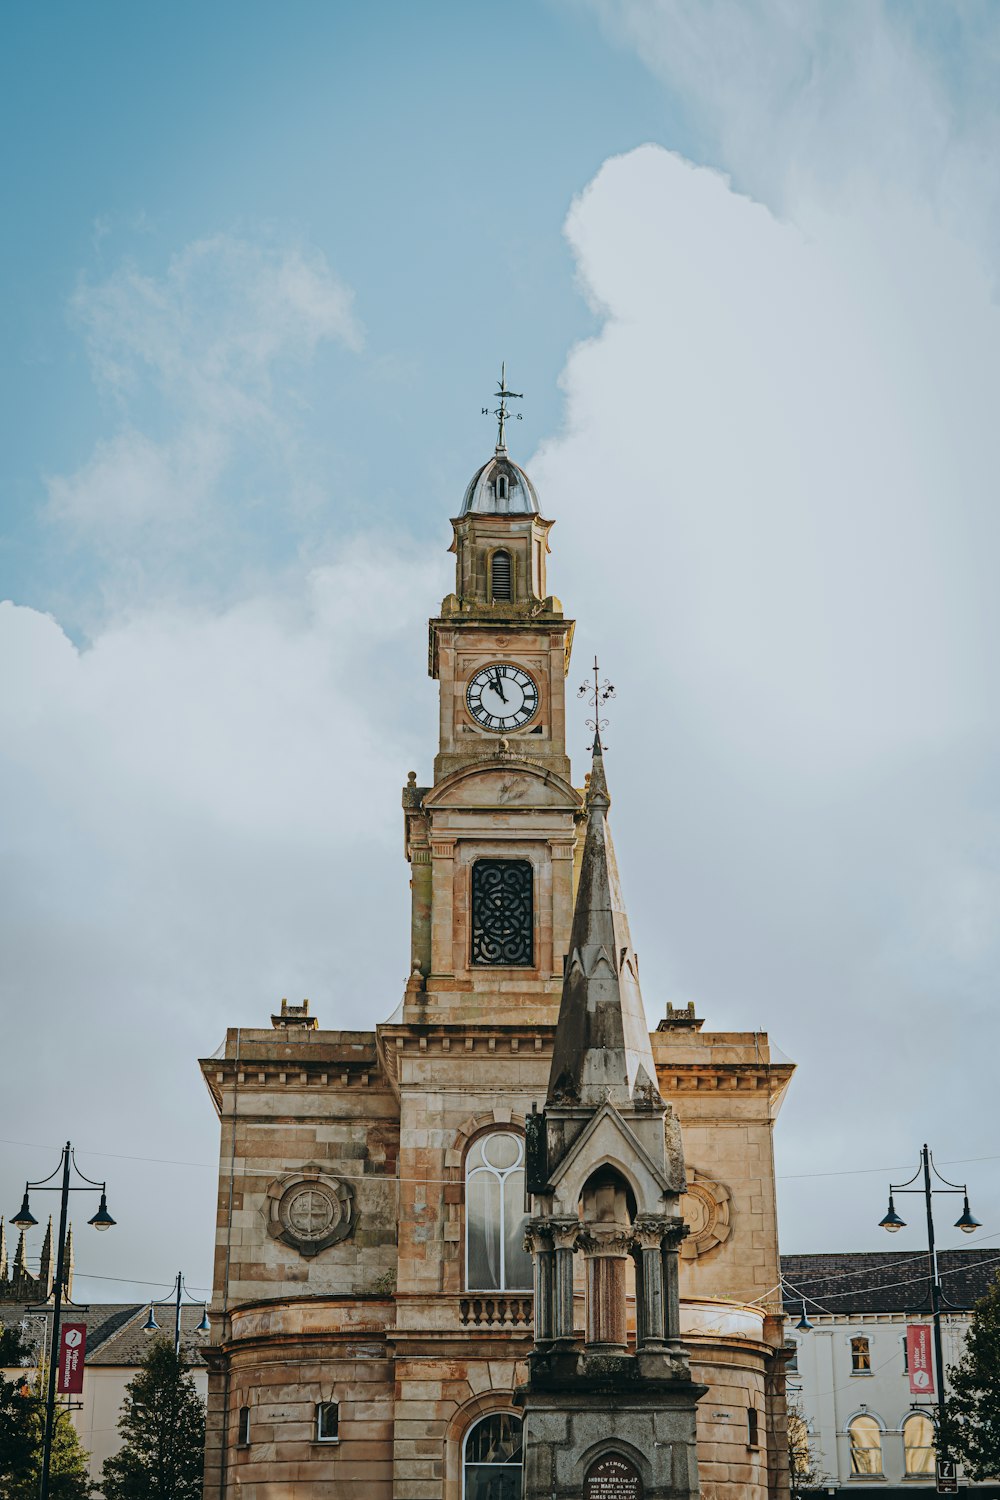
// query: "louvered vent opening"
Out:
[500,575]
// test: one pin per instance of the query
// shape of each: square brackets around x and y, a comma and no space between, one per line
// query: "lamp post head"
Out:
[102,1219]
[892,1221]
[151,1325]
[968,1224]
[24,1218]
[204,1326]
[803,1325]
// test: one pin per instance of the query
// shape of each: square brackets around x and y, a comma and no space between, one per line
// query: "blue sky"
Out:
[261,267]
[430,152]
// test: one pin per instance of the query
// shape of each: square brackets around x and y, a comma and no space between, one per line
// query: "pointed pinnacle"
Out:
[598,794]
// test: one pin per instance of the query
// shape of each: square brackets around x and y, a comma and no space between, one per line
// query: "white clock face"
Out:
[502,697]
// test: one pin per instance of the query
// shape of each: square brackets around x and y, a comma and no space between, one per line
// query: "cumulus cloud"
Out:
[799,98]
[202,816]
[777,476]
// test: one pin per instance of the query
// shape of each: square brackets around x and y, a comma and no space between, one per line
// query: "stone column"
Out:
[607,1252]
[651,1313]
[443,939]
[420,907]
[675,1231]
[565,1233]
[538,1241]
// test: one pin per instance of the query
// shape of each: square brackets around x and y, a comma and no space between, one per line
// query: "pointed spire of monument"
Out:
[68,1258]
[602,1048]
[45,1262]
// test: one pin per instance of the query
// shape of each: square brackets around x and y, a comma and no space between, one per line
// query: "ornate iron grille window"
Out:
[502,913]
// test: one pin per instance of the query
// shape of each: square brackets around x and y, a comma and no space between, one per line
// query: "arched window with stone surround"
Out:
[865,1436]
[918,1443]
[491,1458]
[495,1257]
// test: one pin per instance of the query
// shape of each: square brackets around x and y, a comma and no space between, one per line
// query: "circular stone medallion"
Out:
[309,1210]
[706,1206]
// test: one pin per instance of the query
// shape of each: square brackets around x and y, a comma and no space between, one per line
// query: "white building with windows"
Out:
[848,1381]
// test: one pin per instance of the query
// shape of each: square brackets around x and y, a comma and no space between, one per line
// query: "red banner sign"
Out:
[919,1359]
[72,1348]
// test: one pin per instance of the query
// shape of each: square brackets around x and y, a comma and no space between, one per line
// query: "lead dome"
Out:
[500,488]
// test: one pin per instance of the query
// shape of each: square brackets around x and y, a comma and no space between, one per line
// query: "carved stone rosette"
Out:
[707,1209]
[309,1210]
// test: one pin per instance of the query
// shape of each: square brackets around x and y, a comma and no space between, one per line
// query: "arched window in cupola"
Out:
[503,493]
[501,575]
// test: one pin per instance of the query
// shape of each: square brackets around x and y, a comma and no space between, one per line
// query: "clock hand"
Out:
[498,686]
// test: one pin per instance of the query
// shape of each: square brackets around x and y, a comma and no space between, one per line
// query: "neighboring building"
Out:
[848,1378]
[373,1309]
[116,1345]
[17,1284]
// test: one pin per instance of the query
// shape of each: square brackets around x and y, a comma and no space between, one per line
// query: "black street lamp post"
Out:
[24,1219]
[152,1326]
[967,1224]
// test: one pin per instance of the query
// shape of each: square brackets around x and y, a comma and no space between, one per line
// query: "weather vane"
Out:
[597,694]
[500,412]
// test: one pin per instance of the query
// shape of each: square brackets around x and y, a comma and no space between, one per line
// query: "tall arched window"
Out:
[866,1445]
[500,575]
[491,1464]
[495,1257]
[918,1443]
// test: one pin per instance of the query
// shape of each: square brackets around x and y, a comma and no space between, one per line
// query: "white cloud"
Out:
[776,488]
[201,816]
[207,352]
[794,98]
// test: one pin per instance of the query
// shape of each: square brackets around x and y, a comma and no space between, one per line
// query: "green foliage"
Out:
[163,1425]
[22,1431]
[972,1415]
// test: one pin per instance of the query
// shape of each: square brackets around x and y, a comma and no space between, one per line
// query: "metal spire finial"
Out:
[596,695]
[500,412]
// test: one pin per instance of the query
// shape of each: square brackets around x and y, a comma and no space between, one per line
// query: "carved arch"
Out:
[606,1447]
[463,1418]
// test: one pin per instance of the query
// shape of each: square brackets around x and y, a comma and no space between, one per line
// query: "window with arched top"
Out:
[495,1257]
[865,1436]
[918,1443]
[491,1460]
[501,575]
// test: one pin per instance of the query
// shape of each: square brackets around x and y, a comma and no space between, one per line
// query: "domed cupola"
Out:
[500,538]
[500,488]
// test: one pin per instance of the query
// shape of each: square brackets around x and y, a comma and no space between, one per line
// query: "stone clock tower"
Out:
[464,1254]
[491,844]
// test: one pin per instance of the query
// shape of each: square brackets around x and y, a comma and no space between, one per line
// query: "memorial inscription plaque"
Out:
[613,1478]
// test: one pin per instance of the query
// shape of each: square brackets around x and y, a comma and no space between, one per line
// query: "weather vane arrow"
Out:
[502,414]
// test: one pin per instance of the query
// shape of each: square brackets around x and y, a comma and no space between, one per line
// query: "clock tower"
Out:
[492,842]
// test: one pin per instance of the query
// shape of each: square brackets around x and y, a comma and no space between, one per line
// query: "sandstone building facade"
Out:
[378,1251]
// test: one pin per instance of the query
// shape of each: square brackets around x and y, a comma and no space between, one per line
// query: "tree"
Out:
[163,1425]
[22,1431]
[17,1406]
[971,1427]
[804,1477]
